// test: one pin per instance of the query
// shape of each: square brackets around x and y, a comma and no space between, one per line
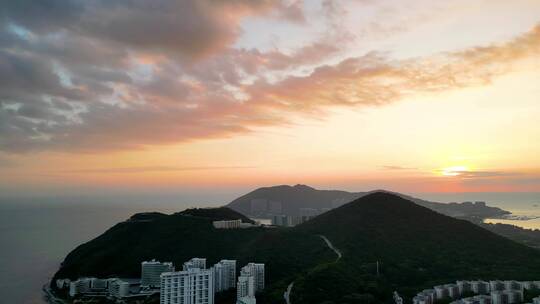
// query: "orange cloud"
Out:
[115,106]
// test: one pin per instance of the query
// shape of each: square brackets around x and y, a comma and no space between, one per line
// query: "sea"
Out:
[37,233]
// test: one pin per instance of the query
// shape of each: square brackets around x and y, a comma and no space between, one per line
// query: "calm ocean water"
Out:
[35,235]
[525,203]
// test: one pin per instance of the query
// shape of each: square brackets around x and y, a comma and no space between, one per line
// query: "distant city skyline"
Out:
[224,96]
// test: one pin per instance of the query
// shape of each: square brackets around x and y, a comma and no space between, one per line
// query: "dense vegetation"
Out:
[415,247]
[178,237]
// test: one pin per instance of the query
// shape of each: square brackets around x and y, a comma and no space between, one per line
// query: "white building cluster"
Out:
[232,224]
[197,285]
[492,292]
[304,215]
[114,287]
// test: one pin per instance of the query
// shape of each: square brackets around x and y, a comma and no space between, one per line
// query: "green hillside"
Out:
[178,237]
[415,247]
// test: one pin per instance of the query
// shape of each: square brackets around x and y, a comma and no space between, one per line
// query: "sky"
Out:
[211,96]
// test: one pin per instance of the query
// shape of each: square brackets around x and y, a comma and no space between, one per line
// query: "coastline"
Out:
[50,297]
[524,222]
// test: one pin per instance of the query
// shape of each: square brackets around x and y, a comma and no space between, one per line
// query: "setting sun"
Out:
[454,171]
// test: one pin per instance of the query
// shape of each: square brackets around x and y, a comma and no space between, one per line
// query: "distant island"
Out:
[386,243]
[302,200]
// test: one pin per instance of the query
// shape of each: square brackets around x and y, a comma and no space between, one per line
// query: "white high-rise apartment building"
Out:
[151,271]
[195,263]
[245,290]
[224,275]
[192,286]
[256,270]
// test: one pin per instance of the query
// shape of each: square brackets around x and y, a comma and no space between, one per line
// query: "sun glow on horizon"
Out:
[454,171]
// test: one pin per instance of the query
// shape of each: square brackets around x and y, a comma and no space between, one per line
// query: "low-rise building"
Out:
[62,283]
[499,297]
[530,285]
[421,300]
[480,287]
[118,288]
[441,292]
[82,285]
[464,287]
[453,291]
[513,285]
[229,224]
[514,296]
[279,220]
[480,299]
[506,296]
[429,294]
[99,284]
[151,272]
[496,285]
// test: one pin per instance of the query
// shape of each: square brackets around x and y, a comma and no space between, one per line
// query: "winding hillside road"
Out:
[331,246]
[287,293]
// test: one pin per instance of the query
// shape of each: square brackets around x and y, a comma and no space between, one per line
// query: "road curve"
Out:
[331,246]
[287,293]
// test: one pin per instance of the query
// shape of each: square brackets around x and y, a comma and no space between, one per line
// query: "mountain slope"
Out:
[178,237]
[415,247]
[290,198]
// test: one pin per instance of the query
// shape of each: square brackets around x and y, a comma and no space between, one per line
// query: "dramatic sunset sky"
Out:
[206,95]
